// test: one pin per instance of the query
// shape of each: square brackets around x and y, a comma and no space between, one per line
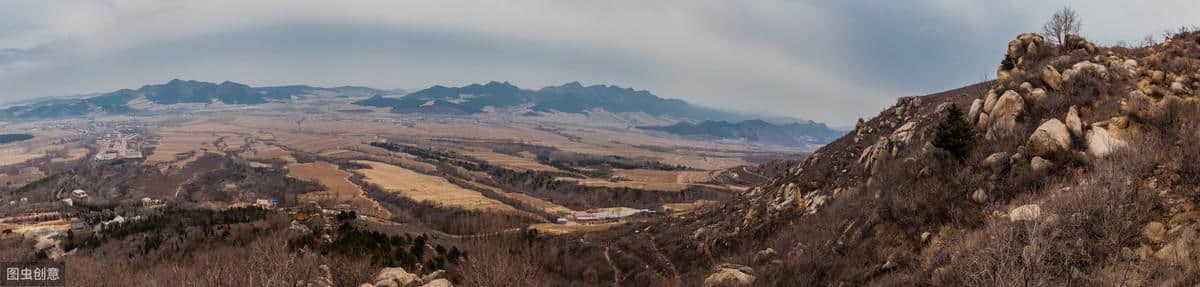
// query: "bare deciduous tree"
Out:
[1064,22]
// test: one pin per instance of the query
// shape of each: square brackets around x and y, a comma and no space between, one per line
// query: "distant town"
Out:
[119,146]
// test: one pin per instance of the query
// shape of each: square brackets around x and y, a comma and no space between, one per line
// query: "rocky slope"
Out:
[1083,174]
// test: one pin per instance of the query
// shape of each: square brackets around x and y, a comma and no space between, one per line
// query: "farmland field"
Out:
[426,188]
[338,188]
[513,162]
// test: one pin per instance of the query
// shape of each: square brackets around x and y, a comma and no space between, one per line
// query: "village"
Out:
[119,145]
[76,215]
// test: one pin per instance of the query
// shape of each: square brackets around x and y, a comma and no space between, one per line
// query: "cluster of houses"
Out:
[118,146]
[23,200]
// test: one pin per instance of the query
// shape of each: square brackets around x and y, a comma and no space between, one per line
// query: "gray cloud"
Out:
[831,61]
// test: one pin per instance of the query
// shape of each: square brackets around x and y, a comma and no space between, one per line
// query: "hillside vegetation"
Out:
[1081,173]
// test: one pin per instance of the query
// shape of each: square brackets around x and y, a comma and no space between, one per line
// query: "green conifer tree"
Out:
[955,133]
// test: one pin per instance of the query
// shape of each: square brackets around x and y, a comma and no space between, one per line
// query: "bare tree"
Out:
[1064,22]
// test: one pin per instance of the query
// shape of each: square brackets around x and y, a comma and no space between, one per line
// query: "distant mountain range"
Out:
[568,98]
[793,134]
[575,98]
[571,97]
[173,92]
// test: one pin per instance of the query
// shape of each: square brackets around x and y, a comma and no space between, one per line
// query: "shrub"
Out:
[955,133]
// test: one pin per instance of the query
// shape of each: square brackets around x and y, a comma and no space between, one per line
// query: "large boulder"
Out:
[904,134]
[1050,138]
[1015,49]
[1157,76]
[1040,166]
[1025,88]
[433,276]
[872,155]
[396,277]
[729,275]
[1008,108]
[1074,124]
[438,283]
[1029,37]
[1052,78]
[1003,74]
[1100,143]
[1037,95]
[1026,212]
[1178,88]
[1075,42]
[997,162]
[979,196]
[1082,66]
[1025,46]
[1130,66]
[1180,251]
[984,120]
[989,101]
[976,107]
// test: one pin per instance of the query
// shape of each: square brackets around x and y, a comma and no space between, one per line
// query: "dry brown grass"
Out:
[686,207]
[338,188]
[265,261]
[261,151]
[426,188]
[656,186]
[73,154]
[175,150]
[540,204]
[15,155]
[42,143]
[328,136]
[649,179]
[24,176]
[555,229]
[508,161]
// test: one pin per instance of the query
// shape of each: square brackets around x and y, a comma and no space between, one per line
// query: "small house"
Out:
[264,203]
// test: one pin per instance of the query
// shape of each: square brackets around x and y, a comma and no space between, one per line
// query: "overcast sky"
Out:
[830,61]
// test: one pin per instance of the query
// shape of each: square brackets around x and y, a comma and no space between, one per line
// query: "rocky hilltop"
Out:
[1083,172]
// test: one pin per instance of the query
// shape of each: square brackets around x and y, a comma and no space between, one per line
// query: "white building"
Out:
[79,194]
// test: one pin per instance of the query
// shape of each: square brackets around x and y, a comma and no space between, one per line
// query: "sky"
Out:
[829,61]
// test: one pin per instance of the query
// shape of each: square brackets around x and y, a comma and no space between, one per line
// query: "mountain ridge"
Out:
[570,97]
[175,91]
[790,134]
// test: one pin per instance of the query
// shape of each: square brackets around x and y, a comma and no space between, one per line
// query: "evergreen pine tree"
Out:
[955,133]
